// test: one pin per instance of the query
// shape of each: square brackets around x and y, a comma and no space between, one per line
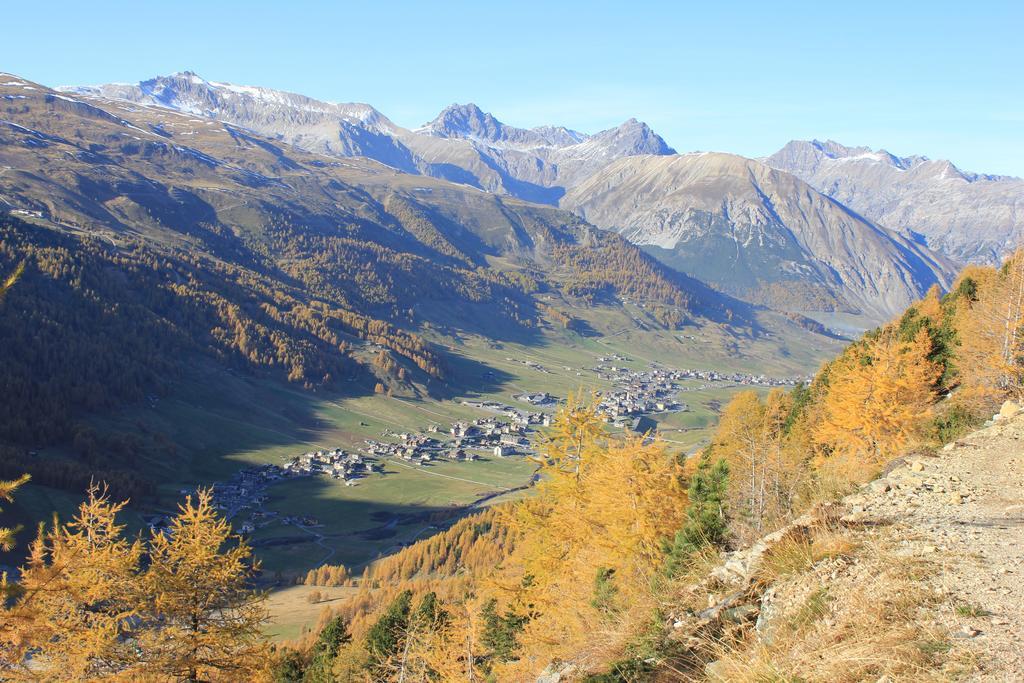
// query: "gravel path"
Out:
[965,510]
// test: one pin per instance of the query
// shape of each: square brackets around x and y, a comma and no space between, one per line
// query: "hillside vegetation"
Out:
[591,567]
[154,244]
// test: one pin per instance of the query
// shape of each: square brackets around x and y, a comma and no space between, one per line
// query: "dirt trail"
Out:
[964,509]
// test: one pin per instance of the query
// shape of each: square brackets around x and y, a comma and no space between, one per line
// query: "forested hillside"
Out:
[585,575]
[153,243]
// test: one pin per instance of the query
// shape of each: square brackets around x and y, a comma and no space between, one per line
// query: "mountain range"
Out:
[814,227]
[970,217]
[758,233]
[366,245]
[463,144]
[789,231]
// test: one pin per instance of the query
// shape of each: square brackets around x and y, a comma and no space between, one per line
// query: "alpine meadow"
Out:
[296,393]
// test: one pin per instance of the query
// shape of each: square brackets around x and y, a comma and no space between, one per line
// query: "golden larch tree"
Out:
[991,329]
[207,617]
[589,544]
[79,601]
[880,393]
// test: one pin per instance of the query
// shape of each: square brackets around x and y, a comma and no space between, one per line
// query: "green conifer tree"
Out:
[385,638]
[705,514]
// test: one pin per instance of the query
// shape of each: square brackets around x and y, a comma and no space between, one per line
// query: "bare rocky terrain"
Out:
[758,233]
[971,217]
[964,510]
[917,576]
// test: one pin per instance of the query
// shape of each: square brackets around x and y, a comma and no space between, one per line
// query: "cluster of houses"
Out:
[741,378]
[541,398]
[464,440]
[637,392]
[246,490]
[335,463]
[635,395]
[504,434]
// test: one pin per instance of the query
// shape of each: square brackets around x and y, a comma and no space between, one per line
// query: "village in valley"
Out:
[633,397]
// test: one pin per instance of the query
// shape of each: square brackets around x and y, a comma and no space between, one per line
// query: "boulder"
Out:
[556,673]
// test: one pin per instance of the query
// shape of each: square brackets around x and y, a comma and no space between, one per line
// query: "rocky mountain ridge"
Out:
[971,217]
[902,218]
[197,183]
[463,144]
[758,233]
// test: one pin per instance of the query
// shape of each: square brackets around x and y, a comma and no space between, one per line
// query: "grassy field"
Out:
[293,615]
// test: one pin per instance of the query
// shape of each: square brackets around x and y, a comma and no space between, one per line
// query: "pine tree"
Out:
[499,631]
[332,637]
[384,640]
[288,667]
[706,522]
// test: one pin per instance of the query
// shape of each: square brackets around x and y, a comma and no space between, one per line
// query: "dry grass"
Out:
[797,554]
[859,619]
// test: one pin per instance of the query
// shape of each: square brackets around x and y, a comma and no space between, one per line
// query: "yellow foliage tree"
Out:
[590,542]
[764,473]
[880,393]
[7,489]
[991,328]
[79,602]
[198,592]
[453,651]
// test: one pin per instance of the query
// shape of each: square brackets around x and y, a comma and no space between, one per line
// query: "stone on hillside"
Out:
[1010,409]
[956,498]
[738,615]
[554,673]
[918,466]
[909,482]
[715,670]
[879,486]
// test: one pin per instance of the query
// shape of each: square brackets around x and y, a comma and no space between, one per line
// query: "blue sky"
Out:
[937,78]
